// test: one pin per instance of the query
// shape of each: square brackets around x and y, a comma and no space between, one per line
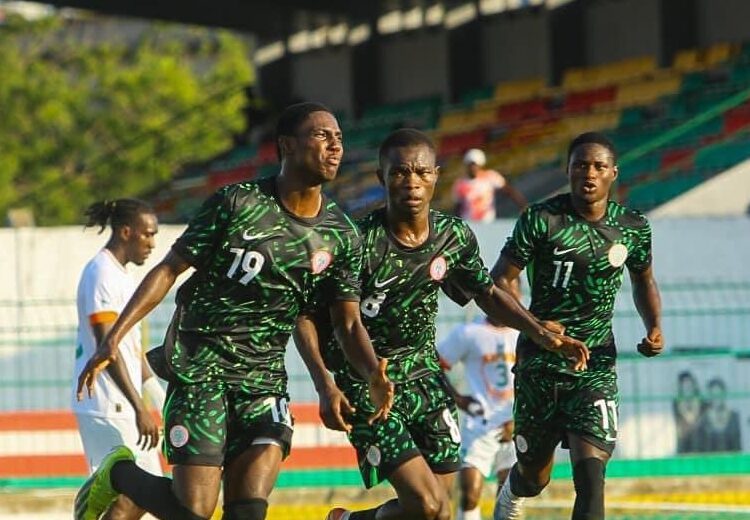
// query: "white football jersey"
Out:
[104,289]
[488,354]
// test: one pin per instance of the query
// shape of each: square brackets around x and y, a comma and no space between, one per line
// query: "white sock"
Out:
[474,514]
[507,505]
[505,489]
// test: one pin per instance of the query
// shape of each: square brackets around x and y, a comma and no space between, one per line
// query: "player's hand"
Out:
[381,393]
[469,405]
[553,326]
[653,344]
[333,406]
[148,429]
[103,356]
[574,350]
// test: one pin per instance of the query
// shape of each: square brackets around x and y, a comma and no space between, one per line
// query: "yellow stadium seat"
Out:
[717,53]
[520,90]
[686,61]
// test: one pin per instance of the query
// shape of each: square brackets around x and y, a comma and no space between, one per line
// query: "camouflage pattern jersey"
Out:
[256,266]
[400,292]
[575,270]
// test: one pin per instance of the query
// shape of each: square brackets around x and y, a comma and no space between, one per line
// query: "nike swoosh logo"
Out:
[383,283]
[247,235]
[557,252]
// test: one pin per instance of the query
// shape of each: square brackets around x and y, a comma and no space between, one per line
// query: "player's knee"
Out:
[428,506]
[588,478]
[526,483]
[248,509]
[470,498]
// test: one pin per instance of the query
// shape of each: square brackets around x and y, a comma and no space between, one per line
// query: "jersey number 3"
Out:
[251,263]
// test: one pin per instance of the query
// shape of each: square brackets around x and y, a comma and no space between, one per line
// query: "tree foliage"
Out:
[85,121]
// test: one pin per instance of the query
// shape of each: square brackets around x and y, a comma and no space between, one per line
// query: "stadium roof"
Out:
[266,19]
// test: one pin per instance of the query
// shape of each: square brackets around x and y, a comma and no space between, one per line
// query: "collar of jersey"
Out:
[401,247]
[272,190]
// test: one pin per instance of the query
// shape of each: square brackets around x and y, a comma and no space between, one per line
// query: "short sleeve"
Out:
[498,180]
[345,283]
[469,277]
[639,259]
[453,348]
[198,243]
[99,299]
[529,230]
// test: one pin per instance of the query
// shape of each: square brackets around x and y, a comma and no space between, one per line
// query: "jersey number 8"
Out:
[370,306]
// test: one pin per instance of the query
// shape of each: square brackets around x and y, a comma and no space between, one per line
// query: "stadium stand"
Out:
[525,125]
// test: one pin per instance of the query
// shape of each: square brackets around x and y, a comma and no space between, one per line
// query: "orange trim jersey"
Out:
[103,290]
[488,355]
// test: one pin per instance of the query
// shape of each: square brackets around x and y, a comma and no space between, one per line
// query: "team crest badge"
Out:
[178,436]
[521,445]
[320,260]
[617,255]
[438,268]
[374,456]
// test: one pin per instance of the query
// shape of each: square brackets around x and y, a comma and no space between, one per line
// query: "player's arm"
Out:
[516,196]
[153,393]
[502,306]
[148,431]
[333,405]
[505,273]
[149,293]
[648,303]
[354,340]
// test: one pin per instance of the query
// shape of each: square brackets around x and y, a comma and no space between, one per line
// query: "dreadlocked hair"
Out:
[116,213]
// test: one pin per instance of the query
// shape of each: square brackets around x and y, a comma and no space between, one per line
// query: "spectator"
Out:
[719,428]
[474,194]
[688,408]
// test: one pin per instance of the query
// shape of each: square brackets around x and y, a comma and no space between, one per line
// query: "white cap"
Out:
[475,156]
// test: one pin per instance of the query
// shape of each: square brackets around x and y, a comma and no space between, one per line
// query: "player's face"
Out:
[318,147]
[409,175]
[141,238]
[591,171]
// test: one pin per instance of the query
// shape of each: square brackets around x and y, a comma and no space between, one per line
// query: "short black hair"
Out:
[293,116]
[118,213]
[593,138]
[404,137]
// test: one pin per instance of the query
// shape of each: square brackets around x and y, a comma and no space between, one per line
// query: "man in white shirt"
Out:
[474,194]
[116,414]
[487,351]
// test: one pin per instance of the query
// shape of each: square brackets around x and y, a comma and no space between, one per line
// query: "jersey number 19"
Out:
[250,261]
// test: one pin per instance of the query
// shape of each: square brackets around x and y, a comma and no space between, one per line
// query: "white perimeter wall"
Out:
[727,194]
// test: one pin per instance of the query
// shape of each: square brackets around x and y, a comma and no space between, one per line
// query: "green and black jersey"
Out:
[257,265]
[575,267]
[400,292]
